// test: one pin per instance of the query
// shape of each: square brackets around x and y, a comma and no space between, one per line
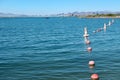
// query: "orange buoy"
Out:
[89,49]
[91,63]
[94,77]
[87,42]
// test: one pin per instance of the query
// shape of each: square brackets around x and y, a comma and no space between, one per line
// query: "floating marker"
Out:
[87,42]
[105,27]
[89,49]
[98,30]
[109,23]
[94,77]
[85,32]
[91,63]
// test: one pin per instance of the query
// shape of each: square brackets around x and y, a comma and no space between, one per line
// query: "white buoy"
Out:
[105,27]
[109,23]
[85,32]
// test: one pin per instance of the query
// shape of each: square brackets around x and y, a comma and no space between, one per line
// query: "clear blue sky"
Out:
[57,6]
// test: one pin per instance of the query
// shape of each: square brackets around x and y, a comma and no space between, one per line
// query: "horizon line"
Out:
[12,13]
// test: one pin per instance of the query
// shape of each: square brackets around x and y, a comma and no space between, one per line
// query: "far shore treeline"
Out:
[104,15]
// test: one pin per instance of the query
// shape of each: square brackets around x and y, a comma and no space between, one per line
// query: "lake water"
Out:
[54,49]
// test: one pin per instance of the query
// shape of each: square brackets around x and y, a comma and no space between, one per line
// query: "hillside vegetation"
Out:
[104,15]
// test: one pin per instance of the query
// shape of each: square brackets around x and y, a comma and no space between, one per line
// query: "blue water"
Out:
[54,49]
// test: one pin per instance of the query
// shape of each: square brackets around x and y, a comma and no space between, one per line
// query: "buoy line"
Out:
[91,63]
[104,27]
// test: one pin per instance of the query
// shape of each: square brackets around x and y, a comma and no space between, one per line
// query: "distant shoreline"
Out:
[95,14]
[104,16]
[63,16]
